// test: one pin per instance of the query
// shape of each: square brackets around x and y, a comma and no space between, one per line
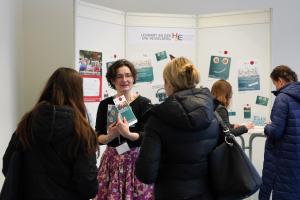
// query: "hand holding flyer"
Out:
[125,110]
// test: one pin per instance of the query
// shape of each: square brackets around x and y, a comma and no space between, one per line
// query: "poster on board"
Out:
[90,68]
[144,70]
[92,89]
[248,77]
[161,55]
[219,67]
[90,62]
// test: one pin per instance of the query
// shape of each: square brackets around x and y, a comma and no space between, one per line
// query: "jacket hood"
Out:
[291,89]
[52,123]
[190,109]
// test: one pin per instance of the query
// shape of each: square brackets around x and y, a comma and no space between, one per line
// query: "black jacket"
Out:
[222,111]
[179,135]
[50,172]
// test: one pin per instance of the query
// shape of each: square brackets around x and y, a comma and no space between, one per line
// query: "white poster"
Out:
[160,35]
[248,76]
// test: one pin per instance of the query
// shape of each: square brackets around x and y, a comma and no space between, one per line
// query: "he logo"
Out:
[177,36]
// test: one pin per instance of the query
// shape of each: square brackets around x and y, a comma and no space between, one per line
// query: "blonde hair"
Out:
[222,91]
[181,73]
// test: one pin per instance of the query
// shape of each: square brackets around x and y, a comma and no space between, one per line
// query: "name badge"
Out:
[122,148]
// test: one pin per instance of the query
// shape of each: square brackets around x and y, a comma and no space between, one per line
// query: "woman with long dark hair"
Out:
[57,143]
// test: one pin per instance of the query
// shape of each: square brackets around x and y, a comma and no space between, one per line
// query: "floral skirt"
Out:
[117,180]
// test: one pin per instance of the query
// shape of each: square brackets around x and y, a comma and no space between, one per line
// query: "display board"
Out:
[151,43]
[230,46]
[236,47]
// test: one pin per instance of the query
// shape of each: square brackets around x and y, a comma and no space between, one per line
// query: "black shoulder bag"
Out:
[232,174]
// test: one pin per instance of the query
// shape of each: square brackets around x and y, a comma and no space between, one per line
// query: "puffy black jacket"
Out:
[180,134]
[50,172]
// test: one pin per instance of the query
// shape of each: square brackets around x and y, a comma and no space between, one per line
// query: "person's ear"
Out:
[282,82]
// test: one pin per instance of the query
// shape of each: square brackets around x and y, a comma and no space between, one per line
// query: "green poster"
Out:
[262,100]
[231,113]
[219,67]
[144,74]
[161,55]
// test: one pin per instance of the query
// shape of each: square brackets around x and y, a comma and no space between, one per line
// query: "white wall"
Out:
[48,44]
[36,38]
[10,37]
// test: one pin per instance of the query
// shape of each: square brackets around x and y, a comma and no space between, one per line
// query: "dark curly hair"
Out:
[112,71]
[284,72]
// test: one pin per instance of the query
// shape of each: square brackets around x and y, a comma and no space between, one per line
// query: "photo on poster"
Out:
[144,70]
[161,56]
[219,67]
[260,100]
[248,77]
[90,62]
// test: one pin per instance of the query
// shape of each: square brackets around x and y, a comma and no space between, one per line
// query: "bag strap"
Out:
[225,128]
[229,137]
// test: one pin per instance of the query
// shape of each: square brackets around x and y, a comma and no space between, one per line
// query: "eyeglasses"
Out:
[122,76]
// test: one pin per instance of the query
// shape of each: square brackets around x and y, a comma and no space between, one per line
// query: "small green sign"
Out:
[260,100]
[247,112]
[231,113]
[161,55]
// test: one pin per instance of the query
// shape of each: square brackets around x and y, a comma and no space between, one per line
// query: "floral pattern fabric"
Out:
[117,180]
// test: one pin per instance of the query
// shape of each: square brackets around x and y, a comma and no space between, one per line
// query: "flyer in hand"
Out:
[125,110]
[112,114]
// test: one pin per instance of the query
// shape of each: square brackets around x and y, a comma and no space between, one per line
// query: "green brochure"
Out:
[125,110]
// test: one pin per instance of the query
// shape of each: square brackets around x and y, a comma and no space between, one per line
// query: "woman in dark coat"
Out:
[179,135]
[58,146]
[281,170]
[222,91]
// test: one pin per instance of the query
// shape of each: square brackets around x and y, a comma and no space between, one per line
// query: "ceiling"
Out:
[179,6]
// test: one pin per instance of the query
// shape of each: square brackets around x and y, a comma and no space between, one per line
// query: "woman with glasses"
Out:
[116,175]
